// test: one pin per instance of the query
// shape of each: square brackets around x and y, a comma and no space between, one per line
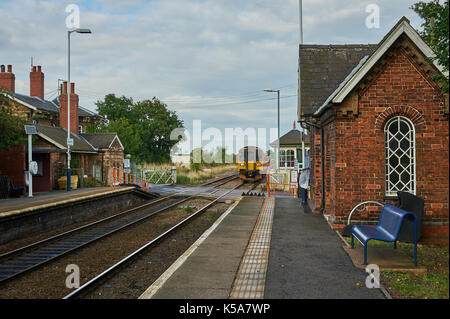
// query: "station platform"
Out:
[265,248]
[13,206]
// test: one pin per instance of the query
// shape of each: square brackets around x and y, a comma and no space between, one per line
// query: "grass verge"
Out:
[433,284]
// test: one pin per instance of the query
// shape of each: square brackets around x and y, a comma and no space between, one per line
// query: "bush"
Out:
[92,182]
[183,179]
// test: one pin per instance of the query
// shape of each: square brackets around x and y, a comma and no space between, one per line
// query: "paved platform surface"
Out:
[387,258]
[209,271]
[38,199]
[307,260]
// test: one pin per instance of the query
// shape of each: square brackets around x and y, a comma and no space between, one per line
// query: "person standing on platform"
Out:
[304,183]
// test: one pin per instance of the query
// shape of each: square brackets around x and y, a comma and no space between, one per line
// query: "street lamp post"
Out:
[277,155]
[69,141]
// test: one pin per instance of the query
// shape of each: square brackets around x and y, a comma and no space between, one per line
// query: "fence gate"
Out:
[161,176]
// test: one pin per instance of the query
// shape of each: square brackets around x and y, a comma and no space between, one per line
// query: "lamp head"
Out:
[83,31]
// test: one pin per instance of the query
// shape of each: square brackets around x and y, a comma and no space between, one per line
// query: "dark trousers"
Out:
[304,195]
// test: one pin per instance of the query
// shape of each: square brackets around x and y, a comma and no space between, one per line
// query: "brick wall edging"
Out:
[401,110]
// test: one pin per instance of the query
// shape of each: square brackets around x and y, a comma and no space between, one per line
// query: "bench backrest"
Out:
[391,219]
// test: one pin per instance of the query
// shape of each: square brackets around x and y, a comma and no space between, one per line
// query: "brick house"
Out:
[379,124]
[91,156]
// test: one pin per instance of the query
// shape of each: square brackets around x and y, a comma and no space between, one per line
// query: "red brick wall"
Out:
[315,170]
[401,88]
[7,78]
[63,102]
[37,82]
[13,164]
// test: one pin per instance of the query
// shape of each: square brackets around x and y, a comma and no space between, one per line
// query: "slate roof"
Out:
[58,137]
[293,137]
[43,105]
[50,106]
[100,140]
[81,110]
[323,68]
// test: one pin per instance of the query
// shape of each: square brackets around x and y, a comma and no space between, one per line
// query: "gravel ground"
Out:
[231,184]
[34,238]
[49,281]
[138,275]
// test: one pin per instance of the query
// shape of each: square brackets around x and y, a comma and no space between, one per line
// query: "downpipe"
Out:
[322,164]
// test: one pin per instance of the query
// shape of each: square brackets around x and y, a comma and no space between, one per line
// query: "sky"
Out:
[208,60]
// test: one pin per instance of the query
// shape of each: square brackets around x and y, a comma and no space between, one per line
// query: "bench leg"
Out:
[395,244]
[353,242]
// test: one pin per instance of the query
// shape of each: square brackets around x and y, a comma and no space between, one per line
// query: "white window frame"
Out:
[283,157]
[391,188]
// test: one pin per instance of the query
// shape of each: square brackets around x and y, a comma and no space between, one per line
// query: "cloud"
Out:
[207,59]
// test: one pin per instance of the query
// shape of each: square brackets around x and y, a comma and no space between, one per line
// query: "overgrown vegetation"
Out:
[433,284]
[186,176]
[436,32]
[92,182]
[11,126]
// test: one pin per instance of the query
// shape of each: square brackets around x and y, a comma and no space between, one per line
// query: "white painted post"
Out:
[30,159]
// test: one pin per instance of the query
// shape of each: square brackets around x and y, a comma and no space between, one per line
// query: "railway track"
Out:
[221,181]
[22,260]
[108,277]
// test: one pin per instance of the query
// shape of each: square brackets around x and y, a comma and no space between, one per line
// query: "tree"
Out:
[144,127]
[436,33]
[128,136]
[11,126]
[113,108]
[154,123]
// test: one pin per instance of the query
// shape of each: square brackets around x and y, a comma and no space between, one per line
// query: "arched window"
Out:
[400,148]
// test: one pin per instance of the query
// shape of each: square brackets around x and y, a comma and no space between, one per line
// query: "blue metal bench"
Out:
[387,229]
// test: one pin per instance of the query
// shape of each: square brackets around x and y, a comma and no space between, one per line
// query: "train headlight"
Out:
[258,165]
[242,164]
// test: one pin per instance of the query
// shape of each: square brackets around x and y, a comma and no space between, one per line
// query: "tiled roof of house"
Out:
[50,106]
[100,140]
[40,104]
[81,110]
[293,137]
[58,137]
[323,68]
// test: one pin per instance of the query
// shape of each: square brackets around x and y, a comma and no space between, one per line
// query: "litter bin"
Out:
[414,204]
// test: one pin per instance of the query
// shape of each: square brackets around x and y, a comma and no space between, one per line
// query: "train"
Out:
[252,163]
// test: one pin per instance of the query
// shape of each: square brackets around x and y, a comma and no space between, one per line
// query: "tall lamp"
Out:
[69,140]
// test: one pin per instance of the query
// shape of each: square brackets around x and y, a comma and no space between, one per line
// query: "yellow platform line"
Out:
[250,279]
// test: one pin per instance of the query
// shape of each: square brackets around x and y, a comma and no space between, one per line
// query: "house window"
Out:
[80,129]
[287,158]
[400,156]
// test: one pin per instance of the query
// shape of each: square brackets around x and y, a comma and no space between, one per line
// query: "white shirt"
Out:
[304,178]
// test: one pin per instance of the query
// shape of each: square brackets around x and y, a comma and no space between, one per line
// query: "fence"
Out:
[285,181]
[153,176]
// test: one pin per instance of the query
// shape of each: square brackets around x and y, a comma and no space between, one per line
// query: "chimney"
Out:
[63,104]
[7,79]
[37,82]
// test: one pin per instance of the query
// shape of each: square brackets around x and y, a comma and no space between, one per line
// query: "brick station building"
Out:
[92,155]
[379,124]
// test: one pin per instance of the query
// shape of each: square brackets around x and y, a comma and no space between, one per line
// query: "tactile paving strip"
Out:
[251,277]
